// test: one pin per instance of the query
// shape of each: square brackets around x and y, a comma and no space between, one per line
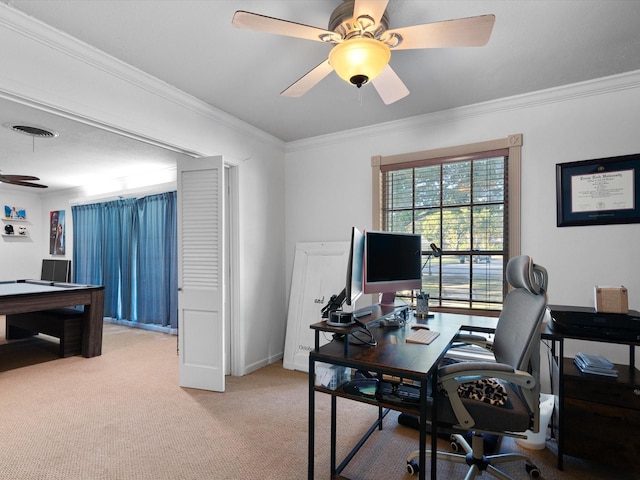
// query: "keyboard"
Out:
[422,336]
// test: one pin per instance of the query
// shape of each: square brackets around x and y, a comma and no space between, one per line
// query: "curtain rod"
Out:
[135,193]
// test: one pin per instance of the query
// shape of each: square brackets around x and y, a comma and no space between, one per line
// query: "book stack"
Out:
[595,364]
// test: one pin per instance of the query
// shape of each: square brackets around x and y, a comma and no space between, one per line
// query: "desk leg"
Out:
[312,413]
[422,427]
[422,444]
[434,425]
[333,435]
[561,405]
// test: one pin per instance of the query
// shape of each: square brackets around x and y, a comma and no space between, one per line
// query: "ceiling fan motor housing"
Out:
[343,23]
[361,56]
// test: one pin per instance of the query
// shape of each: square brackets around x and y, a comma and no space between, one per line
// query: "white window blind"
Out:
[460,205]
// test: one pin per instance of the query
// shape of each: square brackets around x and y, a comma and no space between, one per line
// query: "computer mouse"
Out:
[418,326]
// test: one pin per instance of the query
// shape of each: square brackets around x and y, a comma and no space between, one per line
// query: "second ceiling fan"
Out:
[362,43]
[21,180]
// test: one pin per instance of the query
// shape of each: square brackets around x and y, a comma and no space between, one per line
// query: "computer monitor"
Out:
[353,288]
[392,262]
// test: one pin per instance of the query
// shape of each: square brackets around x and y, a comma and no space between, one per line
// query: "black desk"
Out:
[34,295]
[393,357]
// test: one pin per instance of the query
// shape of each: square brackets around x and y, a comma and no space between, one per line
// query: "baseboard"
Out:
[262,363]
[144,326]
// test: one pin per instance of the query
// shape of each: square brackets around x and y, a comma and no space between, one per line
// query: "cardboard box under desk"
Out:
[611,299]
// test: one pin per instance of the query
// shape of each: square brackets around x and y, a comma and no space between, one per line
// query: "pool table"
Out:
[22,296]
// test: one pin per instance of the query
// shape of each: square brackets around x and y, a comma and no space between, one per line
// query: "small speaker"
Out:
[340,319]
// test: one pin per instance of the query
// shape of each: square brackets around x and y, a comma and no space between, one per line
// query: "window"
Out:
[463,201]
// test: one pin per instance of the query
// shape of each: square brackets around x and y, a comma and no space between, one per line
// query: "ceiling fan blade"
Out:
[370,8]
[10,178]
[309,80]
[389,86]
[21,183]
[462,32]
[263,23]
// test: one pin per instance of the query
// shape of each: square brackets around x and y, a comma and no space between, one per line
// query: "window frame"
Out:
[512,144]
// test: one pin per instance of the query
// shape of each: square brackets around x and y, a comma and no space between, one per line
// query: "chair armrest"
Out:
[453,375]
[471,339]
[464,372]
[456,368]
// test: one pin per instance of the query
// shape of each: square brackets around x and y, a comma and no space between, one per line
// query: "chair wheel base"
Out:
[480,464]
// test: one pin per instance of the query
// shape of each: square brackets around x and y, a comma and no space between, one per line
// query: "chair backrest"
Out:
[55,270]
[517,336]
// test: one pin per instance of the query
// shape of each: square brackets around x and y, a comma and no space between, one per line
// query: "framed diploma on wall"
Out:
[598,192]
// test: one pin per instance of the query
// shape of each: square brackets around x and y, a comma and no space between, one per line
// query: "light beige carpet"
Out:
[122,416]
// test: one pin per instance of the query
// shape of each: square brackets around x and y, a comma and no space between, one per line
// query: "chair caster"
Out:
[455,445]
[413,467]
[532,470]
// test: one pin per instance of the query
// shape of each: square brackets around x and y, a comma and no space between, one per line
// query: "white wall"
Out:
[262,258]
[21,257]
[329,180]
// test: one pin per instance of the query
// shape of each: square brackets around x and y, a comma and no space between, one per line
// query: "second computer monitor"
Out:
[392,263]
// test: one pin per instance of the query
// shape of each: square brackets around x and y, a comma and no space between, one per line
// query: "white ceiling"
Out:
[191,44]
[80,155]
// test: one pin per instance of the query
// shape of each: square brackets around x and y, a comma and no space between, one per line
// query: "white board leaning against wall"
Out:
[319,271]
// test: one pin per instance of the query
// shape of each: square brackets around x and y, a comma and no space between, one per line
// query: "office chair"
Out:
[471,400]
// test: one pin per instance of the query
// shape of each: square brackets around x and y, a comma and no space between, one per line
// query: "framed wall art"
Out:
[56,238]
[14,213]
[598,192]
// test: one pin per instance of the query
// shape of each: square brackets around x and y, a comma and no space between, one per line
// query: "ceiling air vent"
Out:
[33,131]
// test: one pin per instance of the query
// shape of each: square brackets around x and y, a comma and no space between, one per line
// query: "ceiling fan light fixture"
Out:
[359,60]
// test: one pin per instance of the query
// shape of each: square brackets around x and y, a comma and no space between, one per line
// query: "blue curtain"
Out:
[87,244]
[130,247]
[157,259]
[118,224]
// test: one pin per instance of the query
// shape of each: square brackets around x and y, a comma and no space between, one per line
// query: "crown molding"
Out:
[61,42]
[589,88]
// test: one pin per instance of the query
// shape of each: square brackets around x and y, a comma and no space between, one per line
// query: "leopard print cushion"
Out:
[488,390]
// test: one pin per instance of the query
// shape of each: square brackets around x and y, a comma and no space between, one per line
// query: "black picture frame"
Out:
[598,192]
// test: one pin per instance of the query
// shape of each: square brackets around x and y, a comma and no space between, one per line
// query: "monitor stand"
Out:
[388,299]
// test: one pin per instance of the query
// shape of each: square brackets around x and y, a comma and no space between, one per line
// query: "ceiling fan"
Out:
[362,43]
[22,180]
